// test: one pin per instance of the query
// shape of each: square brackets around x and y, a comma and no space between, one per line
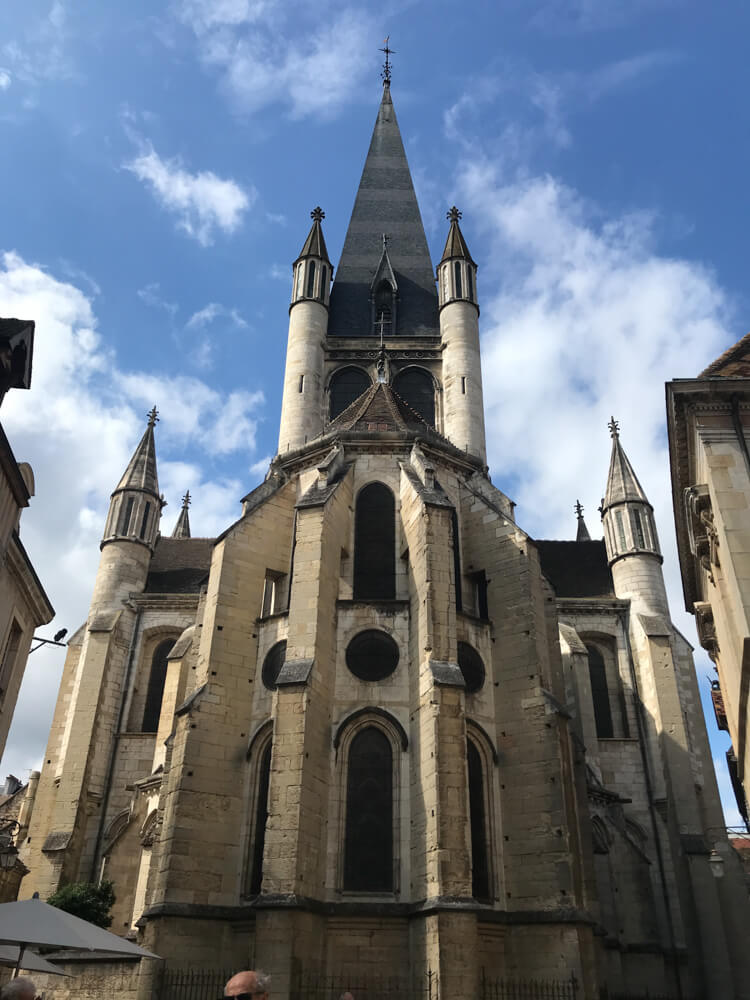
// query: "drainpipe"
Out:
[625,616]
[94,876]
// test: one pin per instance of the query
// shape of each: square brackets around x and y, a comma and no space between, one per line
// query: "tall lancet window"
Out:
[600,694]
[458,288]
[384,310]
[368,844]
[417,388]
[480,868]
[375,544]
[310,279]
[156,681]
[260,821]
[347,384]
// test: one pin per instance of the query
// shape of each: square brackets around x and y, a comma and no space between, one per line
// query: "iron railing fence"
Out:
[194,984]
[364,986]
[493,988]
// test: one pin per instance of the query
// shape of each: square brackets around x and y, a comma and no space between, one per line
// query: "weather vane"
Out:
[614,427]
[153,416]
[386,72]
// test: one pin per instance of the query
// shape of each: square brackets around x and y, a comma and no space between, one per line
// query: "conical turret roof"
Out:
[141,471]
[315,244]
[455,245]
[622,482]
[386,205]
[182,528]
[582,533]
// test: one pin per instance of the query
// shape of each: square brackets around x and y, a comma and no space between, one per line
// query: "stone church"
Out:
[374,726]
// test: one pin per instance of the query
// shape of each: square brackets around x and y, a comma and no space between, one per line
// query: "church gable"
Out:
[733,363]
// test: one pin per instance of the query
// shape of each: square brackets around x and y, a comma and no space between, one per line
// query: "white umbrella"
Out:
[32,923]
[31,961]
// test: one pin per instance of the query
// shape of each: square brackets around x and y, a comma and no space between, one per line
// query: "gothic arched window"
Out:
[347,384]
[155,691]
[375,544]
[260,820]
[600,693]
[383,310]
[480,866]
[310,279]
[368,838]
[416,387]
[458,289]
[456,559]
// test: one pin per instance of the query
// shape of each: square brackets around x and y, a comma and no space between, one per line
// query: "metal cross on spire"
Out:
[317,214]
[614,427]
[186,500]
[386,71]
[578,509]
[453,215]
[153,416]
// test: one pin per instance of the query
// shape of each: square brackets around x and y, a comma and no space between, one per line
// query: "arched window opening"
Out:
[346,385]
[368,840]
[155,690]
[416,387]
[480,868]
[472,667]
[456,560]
[469,283]
[310,279]
[272,665]
[144,521]
[620,531]
[637,524]
[323,278]
[458,288]
[600,694]
[384,310]
[259,825]
[375,544]
[127,511]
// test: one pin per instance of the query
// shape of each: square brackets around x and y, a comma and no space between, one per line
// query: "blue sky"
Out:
[159,163]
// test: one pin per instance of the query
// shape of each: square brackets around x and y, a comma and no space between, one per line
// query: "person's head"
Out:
[20,988]
[347,996]
[248,985]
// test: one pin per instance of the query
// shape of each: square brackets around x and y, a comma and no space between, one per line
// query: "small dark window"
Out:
[155,691]
[261,819]
[384,310]
[480,869]
[301,385]
[323,277]
[372,655]
[375,544]
[600,694]
[416,387]
[310,278]
[272,664]
[463,384]
[144,521]
[638,537]
[456,560]
[368,840]
[480,583]
[471,666]
[469,283]
[459,292]
[127,511]
[620,530]
[347,385]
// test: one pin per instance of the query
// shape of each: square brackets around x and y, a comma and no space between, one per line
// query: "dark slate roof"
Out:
[379,408]
[576,569]
[179,565]
[622,482]
[455,245]
[315,245]
[141,471]
[734,363]
[385,204]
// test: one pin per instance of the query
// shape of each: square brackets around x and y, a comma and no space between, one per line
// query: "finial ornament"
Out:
[386,71]
[579,510]
[614,427]
[317,214]
[386,240]
[153,416]
[186,500]
[453,215]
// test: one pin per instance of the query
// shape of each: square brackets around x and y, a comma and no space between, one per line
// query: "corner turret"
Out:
[301,405]
[182,527]
[135,505]
[463,420]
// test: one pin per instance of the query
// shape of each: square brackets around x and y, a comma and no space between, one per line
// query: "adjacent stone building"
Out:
[708,419]
[374,726]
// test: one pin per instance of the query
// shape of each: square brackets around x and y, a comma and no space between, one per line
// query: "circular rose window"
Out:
[372,655]
[272,664]
[470,663]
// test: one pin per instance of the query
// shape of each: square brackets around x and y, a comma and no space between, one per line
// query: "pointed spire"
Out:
[141,471]
[622,482]
[385,203]
[182,528]
[582,534]
[315,245]
[455,245]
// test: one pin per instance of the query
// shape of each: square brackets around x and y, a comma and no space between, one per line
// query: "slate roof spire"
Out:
[582,534]
[140,473]
[315,245]
[385,203]
[455,245]
[622,482]
[182,528]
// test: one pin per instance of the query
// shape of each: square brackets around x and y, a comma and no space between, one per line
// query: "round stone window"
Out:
[470,663]
[272,664]
[372,655]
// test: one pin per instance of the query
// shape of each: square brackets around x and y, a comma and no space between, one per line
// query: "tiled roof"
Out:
[576,569]
[622,482]
[315,245]
[733,363]
[179,565]
[455,245]
[141,471]
[379,408]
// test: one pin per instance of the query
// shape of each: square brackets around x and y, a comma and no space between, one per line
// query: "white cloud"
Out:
[5,79]
[260,468]
[151,295]
[212,311]
[78,426]
[268,53]
[593,15]
[40,50]
[202,202]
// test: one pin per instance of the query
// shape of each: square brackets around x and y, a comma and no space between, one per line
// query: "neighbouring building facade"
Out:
[374,725]
[708,419]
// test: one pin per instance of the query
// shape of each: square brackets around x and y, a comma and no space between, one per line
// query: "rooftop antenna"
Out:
[386,71]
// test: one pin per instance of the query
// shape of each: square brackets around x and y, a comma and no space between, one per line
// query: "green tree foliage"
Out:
[86,900]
